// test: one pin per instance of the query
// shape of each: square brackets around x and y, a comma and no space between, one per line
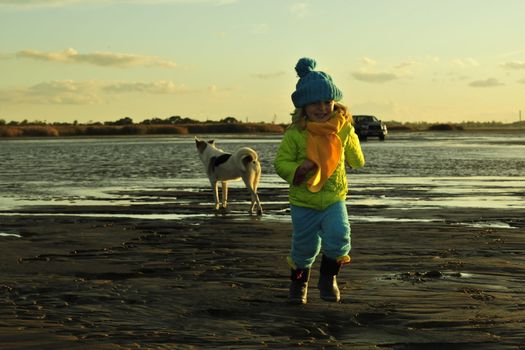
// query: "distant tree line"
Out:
[174,125]
[183,125]
[461,126]
[173,120]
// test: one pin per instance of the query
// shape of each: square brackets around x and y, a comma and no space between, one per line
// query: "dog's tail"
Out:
[247,158]
[250,165]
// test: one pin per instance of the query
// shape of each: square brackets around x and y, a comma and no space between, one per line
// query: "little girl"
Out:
[311,158]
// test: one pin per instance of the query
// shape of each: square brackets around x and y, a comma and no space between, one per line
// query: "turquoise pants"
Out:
[314,230]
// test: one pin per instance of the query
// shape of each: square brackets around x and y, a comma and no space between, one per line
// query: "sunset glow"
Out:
[406,60]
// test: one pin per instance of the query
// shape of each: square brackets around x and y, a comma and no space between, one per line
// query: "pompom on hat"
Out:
[313,86]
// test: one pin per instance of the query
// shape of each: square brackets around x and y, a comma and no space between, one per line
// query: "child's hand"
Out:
[302,170]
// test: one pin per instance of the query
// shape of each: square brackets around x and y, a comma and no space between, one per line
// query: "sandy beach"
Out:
[211,281]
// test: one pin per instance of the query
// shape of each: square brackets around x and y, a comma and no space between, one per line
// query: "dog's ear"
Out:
[201,145]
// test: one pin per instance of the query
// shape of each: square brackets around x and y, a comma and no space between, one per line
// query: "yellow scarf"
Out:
[323,147]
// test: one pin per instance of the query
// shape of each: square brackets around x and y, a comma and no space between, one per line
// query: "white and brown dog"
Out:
[224,167]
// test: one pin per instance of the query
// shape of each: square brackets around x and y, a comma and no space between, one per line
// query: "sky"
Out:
[403,60]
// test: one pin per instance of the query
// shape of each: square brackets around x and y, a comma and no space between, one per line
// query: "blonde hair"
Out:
[299,115]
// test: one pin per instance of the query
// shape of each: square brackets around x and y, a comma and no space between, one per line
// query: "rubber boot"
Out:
[327,285]
[299,286]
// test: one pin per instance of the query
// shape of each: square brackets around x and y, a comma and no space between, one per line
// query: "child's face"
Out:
[319,111]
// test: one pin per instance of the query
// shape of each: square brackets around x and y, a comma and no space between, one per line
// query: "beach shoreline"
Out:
[221,281]
[274,131]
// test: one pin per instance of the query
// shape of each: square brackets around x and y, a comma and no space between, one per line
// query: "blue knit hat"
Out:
[313,86]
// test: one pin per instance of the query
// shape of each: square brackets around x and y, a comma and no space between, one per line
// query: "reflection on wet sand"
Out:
[140,276]
[99,253]
[387,199]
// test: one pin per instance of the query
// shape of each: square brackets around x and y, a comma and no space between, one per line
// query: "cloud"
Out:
[375,77]
[368,61]
[269,75]
[465,62]
[405,64]
[370,71]
[84,92]
[491,82]
[299,9]
[63,3]
[260,28]
[106,59]
[35,2]
[158,87]
[521,81]
[457,77]
[54,92]
[511,53]
[513,65]
[250,28]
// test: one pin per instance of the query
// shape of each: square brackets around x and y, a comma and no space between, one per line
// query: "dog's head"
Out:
[201,145]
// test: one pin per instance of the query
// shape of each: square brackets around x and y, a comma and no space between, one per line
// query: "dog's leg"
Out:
[224,194]
[215,190]
[255,198]
[256,180]
[248,179]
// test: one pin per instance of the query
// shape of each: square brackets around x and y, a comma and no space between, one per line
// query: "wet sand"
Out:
[221,281]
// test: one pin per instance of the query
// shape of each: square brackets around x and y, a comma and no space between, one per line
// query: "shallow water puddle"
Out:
[125,216]
[3,234]
[386,219]
[488,224]
[281,216]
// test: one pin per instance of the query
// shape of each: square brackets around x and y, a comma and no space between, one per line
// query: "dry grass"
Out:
[134,129]
[28,130]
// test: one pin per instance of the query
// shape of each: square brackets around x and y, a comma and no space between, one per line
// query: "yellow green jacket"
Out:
[292,152]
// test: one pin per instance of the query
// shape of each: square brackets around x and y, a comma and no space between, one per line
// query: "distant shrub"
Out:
[71,130]
[397,126]
[136,129]
[271,128]
[39,130]
[221,128]
[445,127]
[393,125]
[10,131]
[28,130]
[132,130]
[99,130]
[167,130]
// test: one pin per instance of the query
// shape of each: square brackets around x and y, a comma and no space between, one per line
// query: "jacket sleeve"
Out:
[286,162]
[353,153]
